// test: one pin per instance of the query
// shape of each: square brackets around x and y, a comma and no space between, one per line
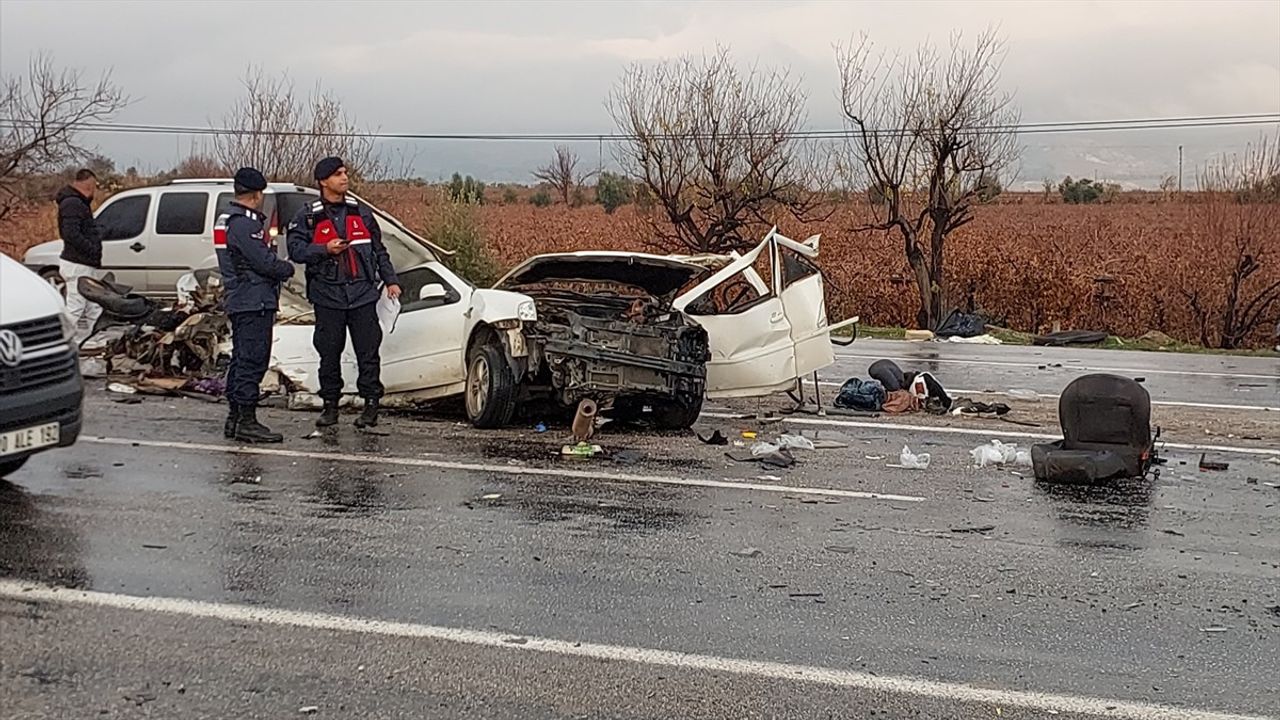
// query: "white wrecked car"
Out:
[640,334]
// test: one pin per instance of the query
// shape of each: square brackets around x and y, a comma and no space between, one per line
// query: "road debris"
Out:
[747,552]
[977,529]
[841,549]
[582,449]
[1213,464]
[1214,629]
[911,461]
[998,453]
[716,438]
[491,496]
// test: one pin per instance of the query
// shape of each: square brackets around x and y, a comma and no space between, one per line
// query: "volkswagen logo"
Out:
[10,348]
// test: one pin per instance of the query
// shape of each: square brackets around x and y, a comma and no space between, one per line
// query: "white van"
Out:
[41,392]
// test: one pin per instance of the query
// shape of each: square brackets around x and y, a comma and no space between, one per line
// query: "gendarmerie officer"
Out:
[252,273]
[339,242]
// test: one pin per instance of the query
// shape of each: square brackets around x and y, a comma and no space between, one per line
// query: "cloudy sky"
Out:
[548,66]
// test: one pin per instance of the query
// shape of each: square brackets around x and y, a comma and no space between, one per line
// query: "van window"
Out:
[125,218]
[182,213]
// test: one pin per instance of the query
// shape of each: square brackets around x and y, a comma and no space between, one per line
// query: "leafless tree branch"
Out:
[44,112]
[925,133]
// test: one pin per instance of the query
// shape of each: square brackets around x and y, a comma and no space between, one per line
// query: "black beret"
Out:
[250,179]
[327,167]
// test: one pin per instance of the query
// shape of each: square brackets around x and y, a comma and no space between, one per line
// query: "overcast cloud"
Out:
[547,67]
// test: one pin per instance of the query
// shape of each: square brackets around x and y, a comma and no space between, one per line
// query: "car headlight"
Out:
[527,311]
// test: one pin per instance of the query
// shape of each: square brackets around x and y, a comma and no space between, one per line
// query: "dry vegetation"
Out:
[1124,267]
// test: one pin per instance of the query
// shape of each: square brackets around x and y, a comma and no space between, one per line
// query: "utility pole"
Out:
[1179,169]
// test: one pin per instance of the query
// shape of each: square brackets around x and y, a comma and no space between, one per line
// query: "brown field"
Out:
[1030,264]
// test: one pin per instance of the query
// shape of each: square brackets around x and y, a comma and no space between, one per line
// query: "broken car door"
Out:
[752,350]
[424,349]
[804,302]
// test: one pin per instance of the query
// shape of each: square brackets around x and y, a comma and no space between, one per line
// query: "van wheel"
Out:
[54,278]
[9,467]
[491,387]
[677,415]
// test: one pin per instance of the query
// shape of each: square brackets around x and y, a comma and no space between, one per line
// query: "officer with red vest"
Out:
[252,272]
[339,242]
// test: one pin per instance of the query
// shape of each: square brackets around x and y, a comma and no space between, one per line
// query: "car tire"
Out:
[8,467]
[54,278]
[491,387]
[677,415]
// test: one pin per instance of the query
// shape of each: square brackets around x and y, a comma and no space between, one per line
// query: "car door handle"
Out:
[137,247]
[776,317]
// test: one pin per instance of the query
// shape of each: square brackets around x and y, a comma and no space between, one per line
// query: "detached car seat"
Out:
[1106,427]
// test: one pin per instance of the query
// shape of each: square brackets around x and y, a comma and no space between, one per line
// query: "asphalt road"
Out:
[155,570]
[1250,382]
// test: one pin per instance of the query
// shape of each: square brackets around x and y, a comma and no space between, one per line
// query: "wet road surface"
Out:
[1170,378]
[966,592]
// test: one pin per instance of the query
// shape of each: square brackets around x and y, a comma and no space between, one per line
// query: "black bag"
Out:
[1106,427]
[965,325]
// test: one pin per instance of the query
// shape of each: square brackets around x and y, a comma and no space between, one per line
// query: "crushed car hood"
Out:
[659,276]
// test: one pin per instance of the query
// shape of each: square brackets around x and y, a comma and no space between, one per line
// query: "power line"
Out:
[1059,127]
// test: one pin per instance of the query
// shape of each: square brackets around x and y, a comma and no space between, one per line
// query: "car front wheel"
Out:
[677,415]
[54,278]
[491,388]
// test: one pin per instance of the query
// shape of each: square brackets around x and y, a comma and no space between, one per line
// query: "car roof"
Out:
[219,182]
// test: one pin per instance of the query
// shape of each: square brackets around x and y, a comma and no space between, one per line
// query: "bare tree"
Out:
[926,132]
[41,117]
[283,134]
[562,173]
[716,149]
[1237,283]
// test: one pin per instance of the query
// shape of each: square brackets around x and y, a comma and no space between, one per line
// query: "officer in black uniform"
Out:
[340,243]
[252,272]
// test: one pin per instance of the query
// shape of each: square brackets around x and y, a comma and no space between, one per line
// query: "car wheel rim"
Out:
[477,386]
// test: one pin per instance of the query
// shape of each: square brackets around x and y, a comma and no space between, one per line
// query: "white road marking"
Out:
[1065,366]
[980,432]
[1049,396]
[896,685]
[562,472]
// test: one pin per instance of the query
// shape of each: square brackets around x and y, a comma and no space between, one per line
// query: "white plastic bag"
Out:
[795,442]
[998,453]
[911,461]
[1023,459]
[1023,394]
[761,449]
[388,312]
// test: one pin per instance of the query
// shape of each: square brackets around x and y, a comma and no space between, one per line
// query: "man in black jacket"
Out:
[81,248]
[340,243]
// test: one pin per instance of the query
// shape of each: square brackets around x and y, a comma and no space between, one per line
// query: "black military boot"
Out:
[368,418]
[233,418]
[329,416]
[251,431]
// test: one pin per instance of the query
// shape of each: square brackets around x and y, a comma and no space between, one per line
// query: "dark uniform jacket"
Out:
[350,279]
[252,271]
[81,236]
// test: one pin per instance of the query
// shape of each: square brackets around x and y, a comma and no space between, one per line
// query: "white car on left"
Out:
[41,391]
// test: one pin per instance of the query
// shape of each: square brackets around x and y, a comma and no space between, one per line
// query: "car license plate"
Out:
[32,438]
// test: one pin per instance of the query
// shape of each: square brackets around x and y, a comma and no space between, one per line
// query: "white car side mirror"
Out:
[434,291]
